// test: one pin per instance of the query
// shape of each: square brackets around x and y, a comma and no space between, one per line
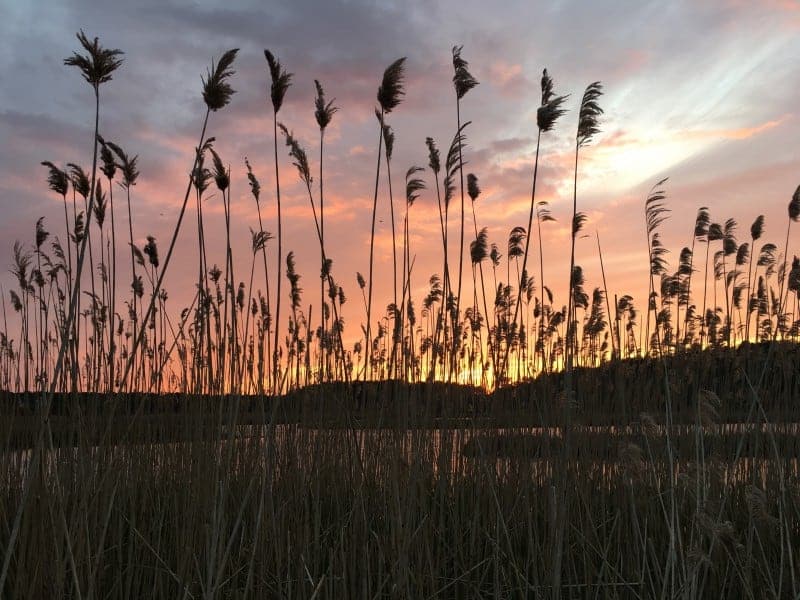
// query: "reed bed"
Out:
[465,445]
[80,320]
[449,510]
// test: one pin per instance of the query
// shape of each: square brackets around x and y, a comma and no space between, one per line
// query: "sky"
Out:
[703,92]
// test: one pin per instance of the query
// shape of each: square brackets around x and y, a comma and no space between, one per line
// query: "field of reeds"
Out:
[487,440]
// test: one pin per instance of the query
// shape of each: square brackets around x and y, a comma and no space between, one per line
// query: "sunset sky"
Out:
[705,92]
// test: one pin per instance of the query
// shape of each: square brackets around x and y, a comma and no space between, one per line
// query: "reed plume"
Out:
[756,230]
[414,185]
[323,113]
[109,169]
[219,77]
[463,81]
[98,65]
[390,93]
[281,80]
[217,90]
[588,126]
[58,181]
[794,216]
[434,162]
[474,191]
[655,212]
[549,111]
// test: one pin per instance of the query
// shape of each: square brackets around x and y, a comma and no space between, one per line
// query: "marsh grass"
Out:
[193,499]
[670,470]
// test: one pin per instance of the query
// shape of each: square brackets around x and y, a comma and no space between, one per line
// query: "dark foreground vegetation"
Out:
[615,394]
[415,491]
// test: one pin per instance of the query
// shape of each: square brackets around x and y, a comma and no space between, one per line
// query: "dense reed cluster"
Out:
[393,493]
[86,323]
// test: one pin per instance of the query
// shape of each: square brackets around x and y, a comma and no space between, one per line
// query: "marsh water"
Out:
[727,453]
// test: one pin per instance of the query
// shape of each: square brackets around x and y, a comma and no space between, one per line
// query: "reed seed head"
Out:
[479,248]
[472,186]
[794,205]
[463,81]
[98,64]
[57,180]
[281,80]
[794,276]
[151,250]
[298,154]
[255,186]
[551,108]
[109,168]
[590,111]
[757,228]
[41,233]
[414,185]
[391,91]
[80,180]
[433,156]
[388,139]
[221,175]
[128,166]
[217,91]
[702,223]
[100,204]
[323,112]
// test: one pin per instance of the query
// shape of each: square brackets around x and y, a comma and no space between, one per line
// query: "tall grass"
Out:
[520,334]
[175,504]
[223,453]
